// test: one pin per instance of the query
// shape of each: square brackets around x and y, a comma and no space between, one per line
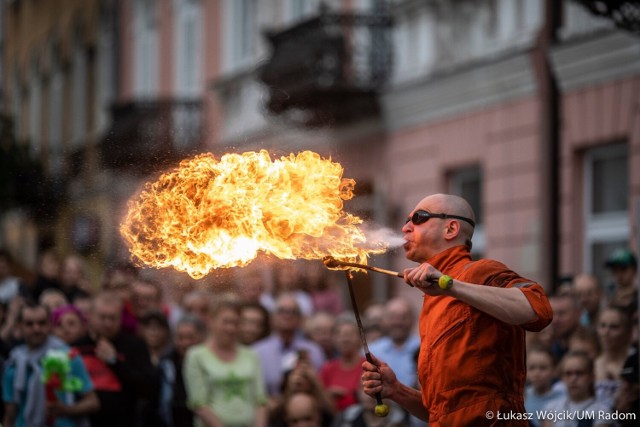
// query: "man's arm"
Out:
[506,304]
[380,378]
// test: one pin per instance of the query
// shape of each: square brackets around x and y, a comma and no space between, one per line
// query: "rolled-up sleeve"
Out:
[539,303]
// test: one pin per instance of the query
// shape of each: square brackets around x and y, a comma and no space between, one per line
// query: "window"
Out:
[16,104]
[467,183]
[298,9]
[240,30]
[56,85]
[35,109]
[606,186]
[79,98]
[145,38]
[105,73]
[188,35]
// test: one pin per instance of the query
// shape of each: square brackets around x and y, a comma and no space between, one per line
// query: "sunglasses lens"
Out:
[420,217]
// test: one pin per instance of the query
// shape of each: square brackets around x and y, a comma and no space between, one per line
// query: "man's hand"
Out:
[105,351]
[424,277]
[378,377]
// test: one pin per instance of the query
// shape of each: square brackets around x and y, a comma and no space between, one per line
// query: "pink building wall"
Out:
[503,141]
[591,117]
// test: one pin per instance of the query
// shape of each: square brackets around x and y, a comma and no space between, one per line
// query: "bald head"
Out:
[436,234]
[452,205]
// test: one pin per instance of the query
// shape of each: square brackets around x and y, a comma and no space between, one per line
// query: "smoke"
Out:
[383,237]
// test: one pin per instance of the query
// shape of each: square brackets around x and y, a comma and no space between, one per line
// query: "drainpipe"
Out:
[549,131]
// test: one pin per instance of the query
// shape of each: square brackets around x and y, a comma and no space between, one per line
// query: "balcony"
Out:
[329,70]
[148,135]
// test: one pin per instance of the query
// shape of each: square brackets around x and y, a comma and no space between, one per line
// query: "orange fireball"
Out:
[210,213]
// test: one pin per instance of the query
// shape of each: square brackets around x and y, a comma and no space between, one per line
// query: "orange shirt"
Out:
[471,362]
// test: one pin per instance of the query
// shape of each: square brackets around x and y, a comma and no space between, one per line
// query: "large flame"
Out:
[210,213]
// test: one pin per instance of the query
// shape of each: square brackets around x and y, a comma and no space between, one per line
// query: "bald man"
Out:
[471,365]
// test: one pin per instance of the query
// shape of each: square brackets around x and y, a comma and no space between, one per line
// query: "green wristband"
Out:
[445,282]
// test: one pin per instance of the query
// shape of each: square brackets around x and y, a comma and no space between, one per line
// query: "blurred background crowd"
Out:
[279,346]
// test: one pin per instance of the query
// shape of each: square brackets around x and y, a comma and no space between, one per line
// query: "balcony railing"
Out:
[329,69]
[146,135]
[624,13]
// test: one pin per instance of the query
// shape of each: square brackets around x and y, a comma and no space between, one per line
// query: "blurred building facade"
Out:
[526,108]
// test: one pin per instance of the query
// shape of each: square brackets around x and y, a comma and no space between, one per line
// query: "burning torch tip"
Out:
[330,262]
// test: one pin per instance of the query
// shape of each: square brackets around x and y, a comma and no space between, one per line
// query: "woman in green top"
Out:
[223,379]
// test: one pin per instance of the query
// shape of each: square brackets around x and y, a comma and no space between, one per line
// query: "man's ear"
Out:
[452,230]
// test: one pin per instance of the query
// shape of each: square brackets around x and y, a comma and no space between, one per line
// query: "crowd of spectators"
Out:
[274,347]
[586,361]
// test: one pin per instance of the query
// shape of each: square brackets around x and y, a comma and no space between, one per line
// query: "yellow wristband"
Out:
[445,282]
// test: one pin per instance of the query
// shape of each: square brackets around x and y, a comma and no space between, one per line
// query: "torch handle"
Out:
[381,409]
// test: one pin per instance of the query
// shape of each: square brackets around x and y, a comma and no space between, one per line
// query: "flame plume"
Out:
[209,214]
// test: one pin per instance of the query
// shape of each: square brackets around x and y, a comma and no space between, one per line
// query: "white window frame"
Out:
[234,35]
[145,41]
[188,66]
[606,227]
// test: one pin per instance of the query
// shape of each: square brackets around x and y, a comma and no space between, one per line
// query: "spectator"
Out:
[155,332]
[301,410]
[53,299]
[74,278]
[398,347]
[120,281]
[289,279]
[48,273]
[576,371]
[279,351]
[173,395]
[10,286]
[585,340]
[197,303]
[325,296]
[22,389]
[251,283]
[11,333]
[223,379]
[542,387]
[254,323]
[341,376]
[118,363]
[69,324]
[319,328]
[372,322]
[589,293]
[614,333]
[146,297]
[628,400]
[302,379]
[83,304]
[566,318]
[623,265]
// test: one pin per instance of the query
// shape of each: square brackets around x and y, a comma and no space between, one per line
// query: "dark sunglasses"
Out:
[420,217]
